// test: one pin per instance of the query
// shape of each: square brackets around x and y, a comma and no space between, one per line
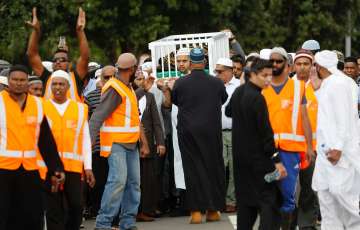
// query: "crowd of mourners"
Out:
[270,135]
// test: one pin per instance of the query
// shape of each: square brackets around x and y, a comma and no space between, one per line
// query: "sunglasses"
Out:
[277,61]
[107,77]
[60,59]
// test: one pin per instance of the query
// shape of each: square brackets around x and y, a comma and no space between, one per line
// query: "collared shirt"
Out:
[230,88]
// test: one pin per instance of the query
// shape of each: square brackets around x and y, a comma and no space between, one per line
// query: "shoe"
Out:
[230,209]
[132,228]
[212,216]
[141,217]
[195,217]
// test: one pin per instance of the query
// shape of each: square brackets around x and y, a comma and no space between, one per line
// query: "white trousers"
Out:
[339,212]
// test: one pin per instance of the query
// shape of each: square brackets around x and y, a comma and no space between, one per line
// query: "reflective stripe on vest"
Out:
[296,108]
[19,132]
[3,131]
[69,150]
[41,163]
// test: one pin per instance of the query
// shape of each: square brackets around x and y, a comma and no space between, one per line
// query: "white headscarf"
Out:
[329,60]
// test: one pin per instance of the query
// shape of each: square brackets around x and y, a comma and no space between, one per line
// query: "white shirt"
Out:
[337,128]
[86,148]
[230,88]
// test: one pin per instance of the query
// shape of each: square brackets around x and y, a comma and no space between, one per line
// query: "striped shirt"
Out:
[93,100]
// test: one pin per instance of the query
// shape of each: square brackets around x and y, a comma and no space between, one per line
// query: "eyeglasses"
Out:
[60,59]
[277,61]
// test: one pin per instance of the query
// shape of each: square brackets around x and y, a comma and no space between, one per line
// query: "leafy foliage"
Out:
[118,26]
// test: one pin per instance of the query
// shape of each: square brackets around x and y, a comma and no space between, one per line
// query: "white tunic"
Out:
[337,128]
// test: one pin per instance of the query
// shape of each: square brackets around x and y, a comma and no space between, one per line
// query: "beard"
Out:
[278,71]
[132,78]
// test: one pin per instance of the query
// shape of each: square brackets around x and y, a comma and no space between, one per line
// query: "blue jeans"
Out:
[122,189]
[291,161]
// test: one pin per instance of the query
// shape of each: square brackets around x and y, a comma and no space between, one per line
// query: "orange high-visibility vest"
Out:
[285,115]
[312,109]
[68,133]
[19,132]
[123,126]
[72,92]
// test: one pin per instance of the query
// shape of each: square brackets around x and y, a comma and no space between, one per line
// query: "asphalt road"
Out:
[178,223]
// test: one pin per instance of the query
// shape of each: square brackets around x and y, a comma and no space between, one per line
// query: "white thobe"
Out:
[338,185]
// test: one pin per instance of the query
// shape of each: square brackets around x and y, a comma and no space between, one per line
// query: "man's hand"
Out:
[314,78]
[144,150]
[35,24]
[81,21]
[310,155]
[90,179]
[161,150]
[333,156]
[57,181]
[280,167]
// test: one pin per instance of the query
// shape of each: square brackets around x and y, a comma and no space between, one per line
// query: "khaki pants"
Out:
[228,161]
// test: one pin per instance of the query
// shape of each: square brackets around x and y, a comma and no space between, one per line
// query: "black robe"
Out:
[253,145]
[199,98]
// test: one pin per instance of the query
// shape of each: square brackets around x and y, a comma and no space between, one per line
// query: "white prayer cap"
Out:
[61,74]
[48,65]
[147,66]
[98,73]
[93,65]
[183,52]
[327,59]
[225,62]
[311,45]
[279,50]
[265,54]
[4,80]
[253,54]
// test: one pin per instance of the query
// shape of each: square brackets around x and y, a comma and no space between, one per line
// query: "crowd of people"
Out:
[271,134]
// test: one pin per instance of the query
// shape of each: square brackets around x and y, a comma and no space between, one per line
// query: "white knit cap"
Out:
[265,54]
[61,74]
[4,80]
[183,52]
[279,50]
[225,62]
[146,66]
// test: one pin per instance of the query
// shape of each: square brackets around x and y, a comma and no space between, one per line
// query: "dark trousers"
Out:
[268,209]
[308,206]
[100,170]
[64,209]
[21,204]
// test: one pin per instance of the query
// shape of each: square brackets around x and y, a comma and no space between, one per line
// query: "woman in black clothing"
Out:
[254,152]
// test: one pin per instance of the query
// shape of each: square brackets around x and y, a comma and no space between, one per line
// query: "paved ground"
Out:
[178,223]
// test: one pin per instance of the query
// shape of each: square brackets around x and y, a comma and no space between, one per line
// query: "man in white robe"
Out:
[337,170]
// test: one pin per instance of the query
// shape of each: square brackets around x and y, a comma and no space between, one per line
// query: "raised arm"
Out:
[33,46]
[83,61]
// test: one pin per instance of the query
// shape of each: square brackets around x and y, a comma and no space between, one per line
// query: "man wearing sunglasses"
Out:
[286,103]
[61,58]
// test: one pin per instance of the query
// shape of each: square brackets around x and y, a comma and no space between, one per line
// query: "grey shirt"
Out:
[110,100]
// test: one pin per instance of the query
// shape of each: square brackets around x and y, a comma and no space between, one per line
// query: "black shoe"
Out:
[132,228]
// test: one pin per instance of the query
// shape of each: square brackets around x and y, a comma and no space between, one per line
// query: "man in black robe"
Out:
[254,152]
[199,98]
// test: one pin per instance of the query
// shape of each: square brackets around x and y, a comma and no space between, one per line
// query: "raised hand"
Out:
[81,21]
[35,24]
